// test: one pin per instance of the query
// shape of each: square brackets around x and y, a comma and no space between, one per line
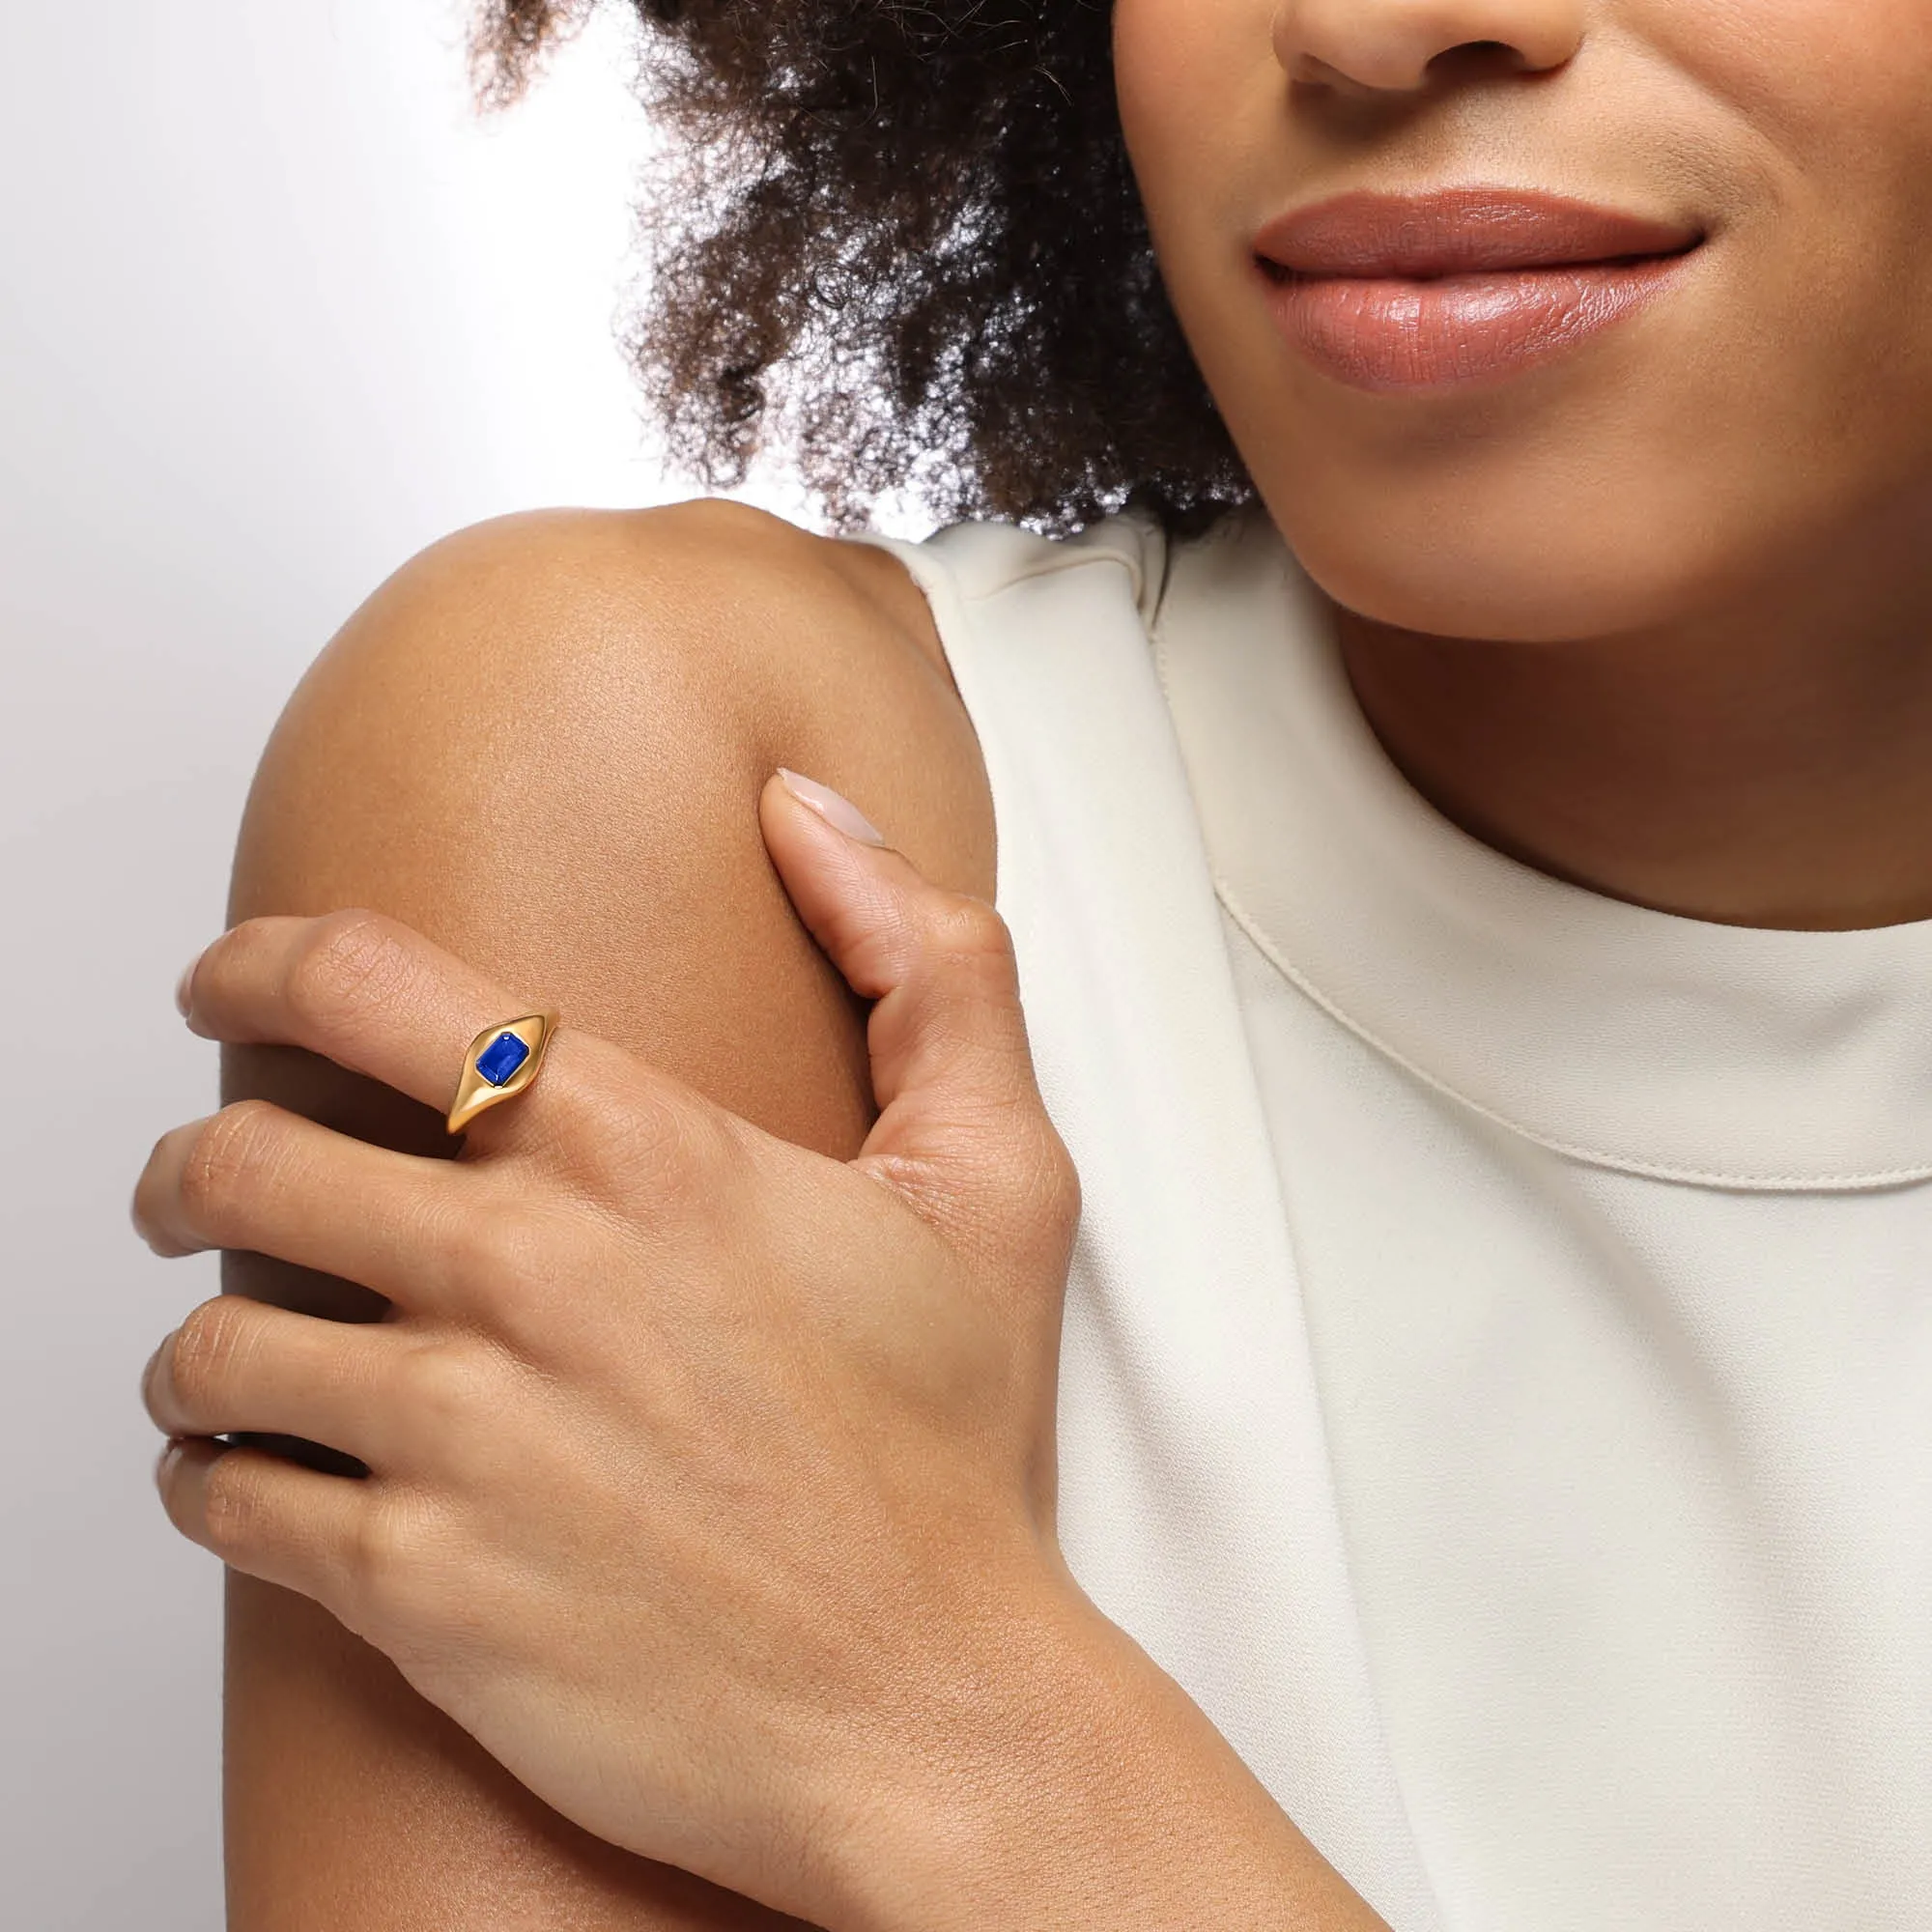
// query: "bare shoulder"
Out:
[545,737]
[542,743]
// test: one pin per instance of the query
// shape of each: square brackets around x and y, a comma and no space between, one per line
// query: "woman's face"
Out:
[1590,425]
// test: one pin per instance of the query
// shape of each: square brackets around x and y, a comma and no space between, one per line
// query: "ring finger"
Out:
[361,990]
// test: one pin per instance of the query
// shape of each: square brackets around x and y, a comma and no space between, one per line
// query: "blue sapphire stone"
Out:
[501,1058]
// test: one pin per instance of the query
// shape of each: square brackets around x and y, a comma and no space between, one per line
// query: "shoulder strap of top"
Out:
[1197,1507]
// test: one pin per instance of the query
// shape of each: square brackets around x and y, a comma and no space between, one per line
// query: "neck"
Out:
[1769,764]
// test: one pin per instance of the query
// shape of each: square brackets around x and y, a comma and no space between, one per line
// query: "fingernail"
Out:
[833,806]
[184,982]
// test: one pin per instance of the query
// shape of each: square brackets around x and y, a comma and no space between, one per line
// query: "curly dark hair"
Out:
[900,242]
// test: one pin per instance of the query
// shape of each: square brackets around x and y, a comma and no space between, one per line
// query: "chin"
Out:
[1517,556]
[1507,592]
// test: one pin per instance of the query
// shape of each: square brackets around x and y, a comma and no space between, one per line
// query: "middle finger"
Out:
[260,1178]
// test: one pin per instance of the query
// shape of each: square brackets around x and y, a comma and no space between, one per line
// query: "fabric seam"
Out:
[1270,950]
[1570,1150]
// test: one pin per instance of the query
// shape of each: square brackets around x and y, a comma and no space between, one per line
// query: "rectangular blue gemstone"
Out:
[501,1058]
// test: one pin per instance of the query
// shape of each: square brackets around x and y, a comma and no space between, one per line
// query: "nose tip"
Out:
[1402,47]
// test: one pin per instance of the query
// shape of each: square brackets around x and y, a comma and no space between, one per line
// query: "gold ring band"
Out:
[502,1062]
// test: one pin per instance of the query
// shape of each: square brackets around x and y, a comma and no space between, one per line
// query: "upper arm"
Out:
[541,745]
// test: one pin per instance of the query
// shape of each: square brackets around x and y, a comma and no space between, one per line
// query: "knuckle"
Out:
[347,961]
[638,1132]
[226,950]
[659,1140]
[491,1247]
[581,1074]
[970,929]
[511,1261]
[967,959]
[1059,1181]
[388,1566]
[378,1555]
[229,1152]
[533,1293]
[234,1514]
[442,1387]
[1042,1209]
[206,1350]
[468,1241]
[1062,1204]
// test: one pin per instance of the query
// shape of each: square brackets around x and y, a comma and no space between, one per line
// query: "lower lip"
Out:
[1402,335]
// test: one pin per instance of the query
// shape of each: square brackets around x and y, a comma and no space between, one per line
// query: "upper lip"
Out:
[1460,232]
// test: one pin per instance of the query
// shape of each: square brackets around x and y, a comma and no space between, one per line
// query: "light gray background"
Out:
[275,310]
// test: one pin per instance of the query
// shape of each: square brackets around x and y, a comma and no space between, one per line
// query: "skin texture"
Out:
[1648,616]
[607,854]
[1717,509]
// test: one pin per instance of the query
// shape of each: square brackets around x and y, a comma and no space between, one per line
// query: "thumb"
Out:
[962,1131]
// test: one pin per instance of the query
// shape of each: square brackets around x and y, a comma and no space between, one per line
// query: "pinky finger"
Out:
[267,1517]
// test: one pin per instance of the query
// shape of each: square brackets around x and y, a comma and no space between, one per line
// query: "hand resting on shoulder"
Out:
[541,745]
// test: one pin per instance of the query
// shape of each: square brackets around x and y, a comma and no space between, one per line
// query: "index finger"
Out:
[356,986]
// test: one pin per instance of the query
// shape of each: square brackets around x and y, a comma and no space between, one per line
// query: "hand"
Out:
[708,1476]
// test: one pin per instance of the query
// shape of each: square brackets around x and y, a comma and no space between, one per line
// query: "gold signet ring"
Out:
[502,1062]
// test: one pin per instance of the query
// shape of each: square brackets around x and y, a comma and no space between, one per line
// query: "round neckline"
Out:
[1680,1048]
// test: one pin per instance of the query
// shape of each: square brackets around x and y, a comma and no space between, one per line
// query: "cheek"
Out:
[1835,95]
[1164,50]
[1181,70]
[1205,111]
[1798,66]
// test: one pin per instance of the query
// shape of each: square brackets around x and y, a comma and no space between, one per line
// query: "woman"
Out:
[1466,831]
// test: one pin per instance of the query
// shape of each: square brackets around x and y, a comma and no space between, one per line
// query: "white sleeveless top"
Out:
[1497,1380]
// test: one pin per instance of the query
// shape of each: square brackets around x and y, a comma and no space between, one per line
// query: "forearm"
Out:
[352,1806]
[1085,1790]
